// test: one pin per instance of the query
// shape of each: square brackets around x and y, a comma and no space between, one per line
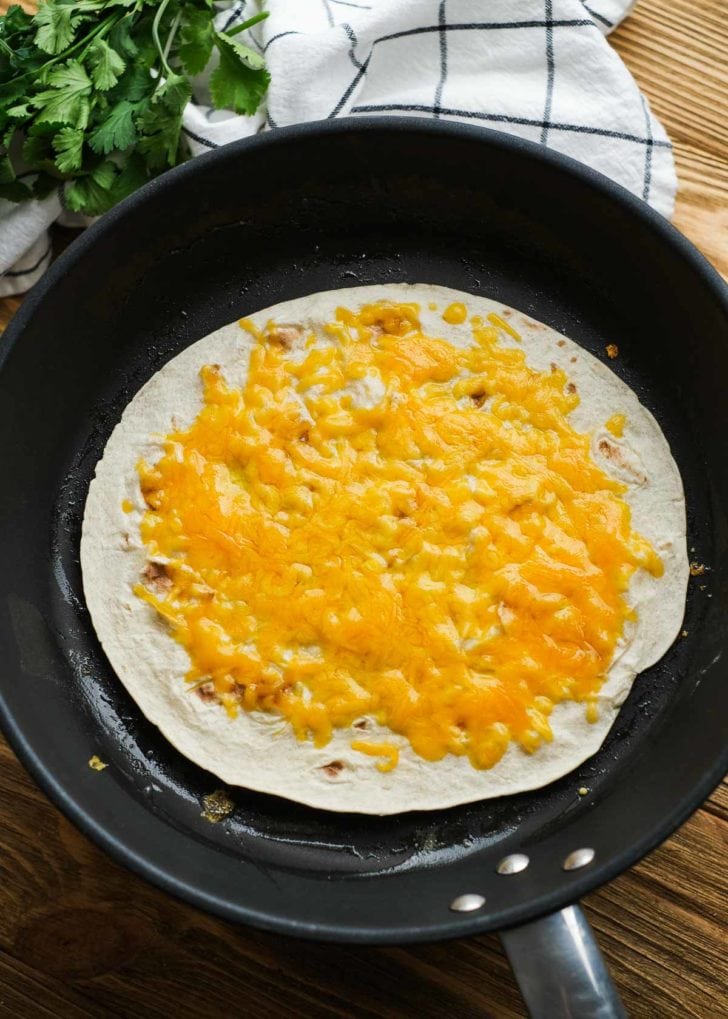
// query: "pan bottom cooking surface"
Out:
[267,220]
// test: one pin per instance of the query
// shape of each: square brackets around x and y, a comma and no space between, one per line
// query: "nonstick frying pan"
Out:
[274,217]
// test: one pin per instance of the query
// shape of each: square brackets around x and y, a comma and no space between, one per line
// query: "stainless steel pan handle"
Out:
[560,970]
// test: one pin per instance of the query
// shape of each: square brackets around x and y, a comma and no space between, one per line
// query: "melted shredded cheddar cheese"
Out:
[386,750]
[616,424]
[381,523]
[499,323]
[455,314]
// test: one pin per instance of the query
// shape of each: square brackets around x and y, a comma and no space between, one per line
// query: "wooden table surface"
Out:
[79,936]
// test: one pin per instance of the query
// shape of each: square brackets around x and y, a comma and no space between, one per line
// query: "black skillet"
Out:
[284,214]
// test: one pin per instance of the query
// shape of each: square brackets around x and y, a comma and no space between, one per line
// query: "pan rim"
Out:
[571,167]
[506,919]
[145,867]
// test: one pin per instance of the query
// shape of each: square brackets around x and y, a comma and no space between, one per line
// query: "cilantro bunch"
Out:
[92,93]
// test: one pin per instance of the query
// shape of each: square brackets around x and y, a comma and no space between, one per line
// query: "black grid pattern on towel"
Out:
[28,269]
[442,25]
[550,27]
[551,123]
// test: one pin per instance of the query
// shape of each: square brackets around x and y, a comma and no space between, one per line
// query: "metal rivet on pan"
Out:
[513,864]
[579,858]
[467,903]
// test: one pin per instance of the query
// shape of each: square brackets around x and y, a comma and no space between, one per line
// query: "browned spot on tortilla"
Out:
[332,769]
[554,367]
[612,350]
[361,724]
[533,325]
[125,539]
[157,577]
[479,398]
[285,336]
[561,343]
[697,569]
[573,360]
[615,455]
[506,313]
[570,387]
[206,691]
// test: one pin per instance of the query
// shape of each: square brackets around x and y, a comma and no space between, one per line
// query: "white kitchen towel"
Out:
[540,69]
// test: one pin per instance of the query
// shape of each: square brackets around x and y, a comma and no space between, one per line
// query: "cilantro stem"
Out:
[155,35]
[172,34]
[248,24]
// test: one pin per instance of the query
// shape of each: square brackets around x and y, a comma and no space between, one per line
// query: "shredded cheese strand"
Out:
[382,524]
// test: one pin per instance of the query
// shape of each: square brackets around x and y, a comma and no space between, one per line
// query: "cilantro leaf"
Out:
[70,75]
[133,174]
[19,112]
[17,49]
[66,102]
[15,22]
[240,80]
[244,53]
[94,91]
[117,131]
[38,152]
[92,194]
[121,39]
[7,135]
[161,122]
[136,83]
[198,38]
[63,109]
[104,174]
[9,93]
[7,173]
[68,146]
[15,191]
[106,65]
[173,95]
[56,26]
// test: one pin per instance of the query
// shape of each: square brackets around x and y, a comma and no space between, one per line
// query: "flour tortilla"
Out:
[258,750]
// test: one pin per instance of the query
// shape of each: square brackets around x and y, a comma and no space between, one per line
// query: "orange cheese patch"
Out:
[455,314]
[381,523]
[616,424]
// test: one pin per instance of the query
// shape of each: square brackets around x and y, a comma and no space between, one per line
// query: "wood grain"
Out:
[678,53]
[81,937]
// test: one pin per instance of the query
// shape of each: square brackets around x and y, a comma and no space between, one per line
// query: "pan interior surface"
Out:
[305,210]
